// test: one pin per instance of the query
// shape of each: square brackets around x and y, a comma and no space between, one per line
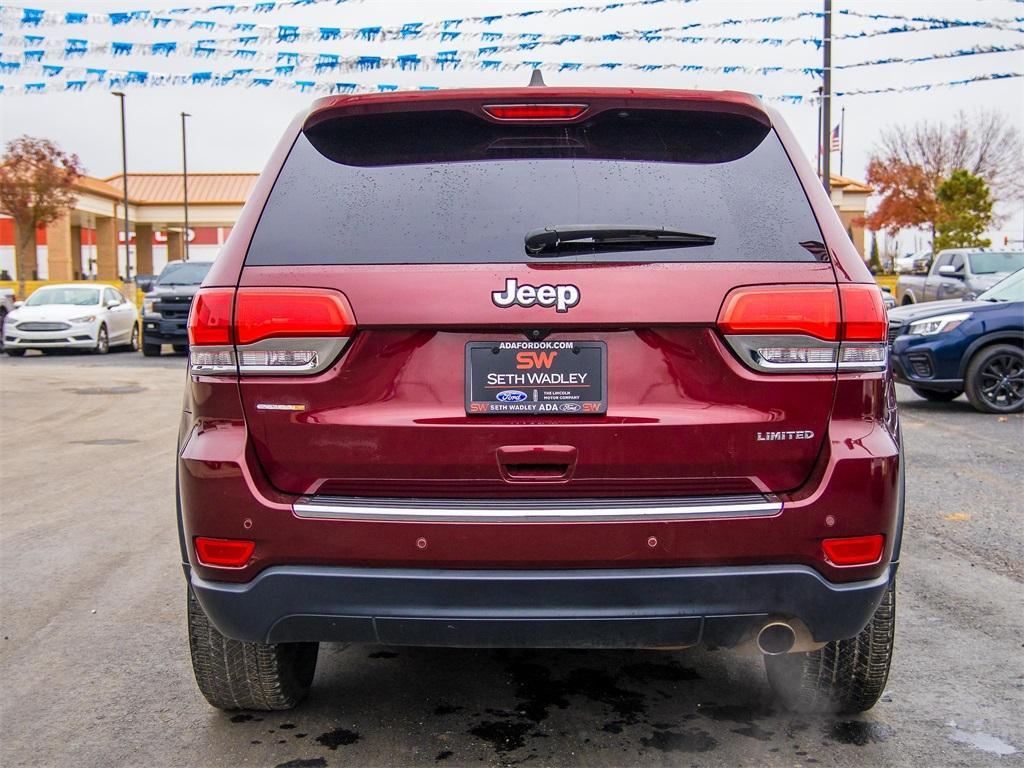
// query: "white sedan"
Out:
[73,316]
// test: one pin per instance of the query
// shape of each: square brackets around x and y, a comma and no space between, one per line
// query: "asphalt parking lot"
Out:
[94,661]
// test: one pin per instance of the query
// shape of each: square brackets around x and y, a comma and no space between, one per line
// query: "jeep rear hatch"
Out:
[468,368]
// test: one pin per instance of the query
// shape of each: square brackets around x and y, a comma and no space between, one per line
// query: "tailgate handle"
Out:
[536,463]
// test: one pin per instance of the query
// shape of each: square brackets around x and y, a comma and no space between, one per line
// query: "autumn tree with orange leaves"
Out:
[912,162]
[36,178]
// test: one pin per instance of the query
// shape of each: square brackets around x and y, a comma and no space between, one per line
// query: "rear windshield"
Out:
[451,188]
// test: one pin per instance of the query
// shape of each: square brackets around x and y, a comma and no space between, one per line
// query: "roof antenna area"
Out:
[537,79]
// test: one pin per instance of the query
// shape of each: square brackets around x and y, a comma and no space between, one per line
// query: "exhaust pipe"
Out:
[776,638]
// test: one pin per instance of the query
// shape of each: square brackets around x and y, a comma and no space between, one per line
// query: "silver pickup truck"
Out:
[958,273]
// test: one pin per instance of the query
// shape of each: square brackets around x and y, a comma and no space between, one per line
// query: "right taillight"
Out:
[806,328]
[268,331]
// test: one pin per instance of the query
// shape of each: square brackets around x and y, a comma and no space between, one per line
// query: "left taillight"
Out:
[806,329]
[267,331]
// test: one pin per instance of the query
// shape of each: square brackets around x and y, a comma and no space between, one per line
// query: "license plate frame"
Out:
[552,378]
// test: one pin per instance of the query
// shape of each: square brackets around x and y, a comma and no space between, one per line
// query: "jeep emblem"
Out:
[561,297]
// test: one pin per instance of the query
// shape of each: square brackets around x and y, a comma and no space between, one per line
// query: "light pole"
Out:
[184,176]
[124,176]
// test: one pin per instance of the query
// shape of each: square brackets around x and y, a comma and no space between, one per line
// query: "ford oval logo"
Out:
[571,407]
[511,396]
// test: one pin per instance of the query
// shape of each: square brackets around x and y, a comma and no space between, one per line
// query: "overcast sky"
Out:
[233,129]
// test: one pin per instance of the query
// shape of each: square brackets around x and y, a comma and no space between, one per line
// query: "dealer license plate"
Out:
[527,377]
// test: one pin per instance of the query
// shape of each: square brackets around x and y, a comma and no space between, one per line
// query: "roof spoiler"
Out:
[599,100]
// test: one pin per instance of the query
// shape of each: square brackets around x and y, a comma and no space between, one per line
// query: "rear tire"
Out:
[845,675]
[151,350]
[937,395]
[133,342]
[233,674]
[15,352]
[995,379]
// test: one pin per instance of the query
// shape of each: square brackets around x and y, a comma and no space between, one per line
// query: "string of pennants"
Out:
[36,53]
[121,78]
[291,63]
[452,29]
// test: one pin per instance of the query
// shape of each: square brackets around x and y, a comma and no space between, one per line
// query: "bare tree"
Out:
[36,178]
[987,144]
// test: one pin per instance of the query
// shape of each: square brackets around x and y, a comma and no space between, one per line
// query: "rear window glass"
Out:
[449,187]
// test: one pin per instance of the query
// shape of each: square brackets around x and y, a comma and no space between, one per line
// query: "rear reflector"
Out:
[779,310]
[857,550]
[223,553]
[209,321]
[535,111]
[263,313]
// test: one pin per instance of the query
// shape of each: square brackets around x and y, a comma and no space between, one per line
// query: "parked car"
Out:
[958,273]
[887,298]
[6,305]
[6,301]
[90,316]
[945,348]
[913,263]
[540,368]
[165,306]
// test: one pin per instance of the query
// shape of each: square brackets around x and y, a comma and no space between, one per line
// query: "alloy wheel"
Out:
[1002,381]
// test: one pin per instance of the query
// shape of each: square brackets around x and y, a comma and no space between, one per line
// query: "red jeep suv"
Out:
[540,367]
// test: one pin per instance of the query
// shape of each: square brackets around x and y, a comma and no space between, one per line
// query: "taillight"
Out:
[535,111]
[223,553]
[270,331]
[855,550]
[805,328]
[209,320]
[264,313]
[804,310]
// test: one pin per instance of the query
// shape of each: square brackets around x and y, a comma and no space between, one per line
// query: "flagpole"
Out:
[819,150]
[842,137]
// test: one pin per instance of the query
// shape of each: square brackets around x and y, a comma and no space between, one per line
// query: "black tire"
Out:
[995,379]
[845,675]
[151,350]
[15,352]
[232,674]
[907,301]
[102,341]
[938,395]
[181,349]
[133,341]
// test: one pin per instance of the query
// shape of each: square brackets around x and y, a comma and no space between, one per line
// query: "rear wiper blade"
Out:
[591,238]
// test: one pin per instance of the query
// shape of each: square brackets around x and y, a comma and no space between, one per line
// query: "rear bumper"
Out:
[591,608]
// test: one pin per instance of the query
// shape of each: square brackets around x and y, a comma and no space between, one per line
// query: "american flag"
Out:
[836,144]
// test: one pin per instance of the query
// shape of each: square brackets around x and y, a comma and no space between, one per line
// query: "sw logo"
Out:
[527,360]
[561,297]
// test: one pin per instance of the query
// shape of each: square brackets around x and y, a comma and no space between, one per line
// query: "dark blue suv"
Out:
[945,348]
